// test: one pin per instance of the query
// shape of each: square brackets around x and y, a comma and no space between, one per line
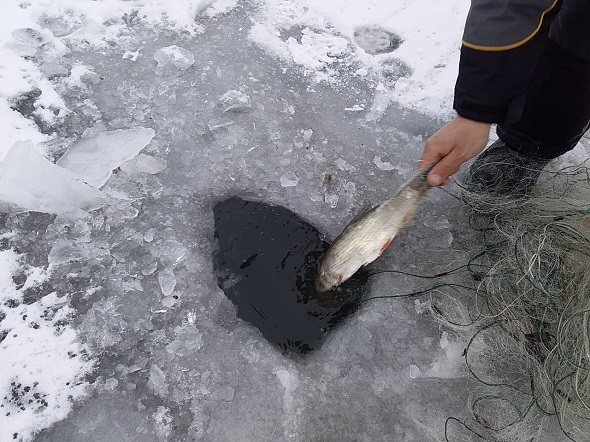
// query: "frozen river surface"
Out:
[118,311]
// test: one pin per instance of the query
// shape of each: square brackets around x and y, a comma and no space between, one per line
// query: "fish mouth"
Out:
[321,286]
[326,282]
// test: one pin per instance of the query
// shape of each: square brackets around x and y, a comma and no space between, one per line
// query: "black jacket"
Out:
[502,43]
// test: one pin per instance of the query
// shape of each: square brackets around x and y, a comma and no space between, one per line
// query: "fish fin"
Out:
[385,245]
[365,210]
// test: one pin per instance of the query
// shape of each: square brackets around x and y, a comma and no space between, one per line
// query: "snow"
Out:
[123,122]
[42,364]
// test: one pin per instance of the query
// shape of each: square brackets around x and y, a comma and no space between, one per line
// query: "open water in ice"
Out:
[173,360]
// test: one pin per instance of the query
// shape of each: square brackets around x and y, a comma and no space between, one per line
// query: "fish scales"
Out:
[367,237]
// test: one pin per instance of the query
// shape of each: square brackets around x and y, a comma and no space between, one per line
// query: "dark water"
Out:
[265,263]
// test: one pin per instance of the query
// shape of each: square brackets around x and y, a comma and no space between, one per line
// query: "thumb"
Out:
[441,172]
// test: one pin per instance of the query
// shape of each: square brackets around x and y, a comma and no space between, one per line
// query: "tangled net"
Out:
[527,323]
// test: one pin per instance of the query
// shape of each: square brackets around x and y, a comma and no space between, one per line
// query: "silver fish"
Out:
[369,234]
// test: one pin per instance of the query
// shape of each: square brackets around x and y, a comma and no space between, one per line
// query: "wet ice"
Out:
[95,158]
[174,361]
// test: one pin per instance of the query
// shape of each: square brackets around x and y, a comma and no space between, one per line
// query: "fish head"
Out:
[326,280]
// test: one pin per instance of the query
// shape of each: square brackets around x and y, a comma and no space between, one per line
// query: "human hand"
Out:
[453,144]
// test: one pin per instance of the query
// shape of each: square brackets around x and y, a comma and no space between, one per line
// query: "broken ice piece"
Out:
[29,36]
[415,371]
[289,179]
[148,269]
[110,384]
[235,101]
[144,164]
[331,200]
[383,165]
[157,377]
[170,301]
[167,281]
[32,182]
[94,158]
[214,124]
[81,75]
[174,56]
[225,393]
[132,55]
[171,252]
[375,40]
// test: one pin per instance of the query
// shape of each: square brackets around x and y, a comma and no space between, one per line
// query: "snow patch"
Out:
[41,360]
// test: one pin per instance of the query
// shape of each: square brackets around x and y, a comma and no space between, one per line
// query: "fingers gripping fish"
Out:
[367,236]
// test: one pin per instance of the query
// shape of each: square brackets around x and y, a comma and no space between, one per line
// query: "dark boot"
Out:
[502,172]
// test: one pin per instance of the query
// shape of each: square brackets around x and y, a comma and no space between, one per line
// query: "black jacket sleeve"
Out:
[501,44]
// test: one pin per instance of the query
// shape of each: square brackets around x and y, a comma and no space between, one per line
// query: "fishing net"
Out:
[526,317]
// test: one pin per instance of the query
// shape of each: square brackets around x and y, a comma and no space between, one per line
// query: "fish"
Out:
[368,235]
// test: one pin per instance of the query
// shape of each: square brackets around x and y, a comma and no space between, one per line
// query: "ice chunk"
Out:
[64,251]
[82,75]
[343,165]
[144,164]
[149,235]
[29,36]
[415,371]
[171,252]
[163,422]
[31,182]
[110,384]
[174,56]
[440,222]
[132,55]
[149,268]
[289,179]
[216,124]
[170,301]
[95,158]
[167,281]
[441,235]
[422,308]
[235,101]
[383,165]
[95,130]
[355,108]
[187,341]
[223,394]
[157,377]
[331,199]
[375,40]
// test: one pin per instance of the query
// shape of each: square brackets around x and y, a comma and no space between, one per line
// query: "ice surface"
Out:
[173,57]
[95,158]
[184,366]
[31,182]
